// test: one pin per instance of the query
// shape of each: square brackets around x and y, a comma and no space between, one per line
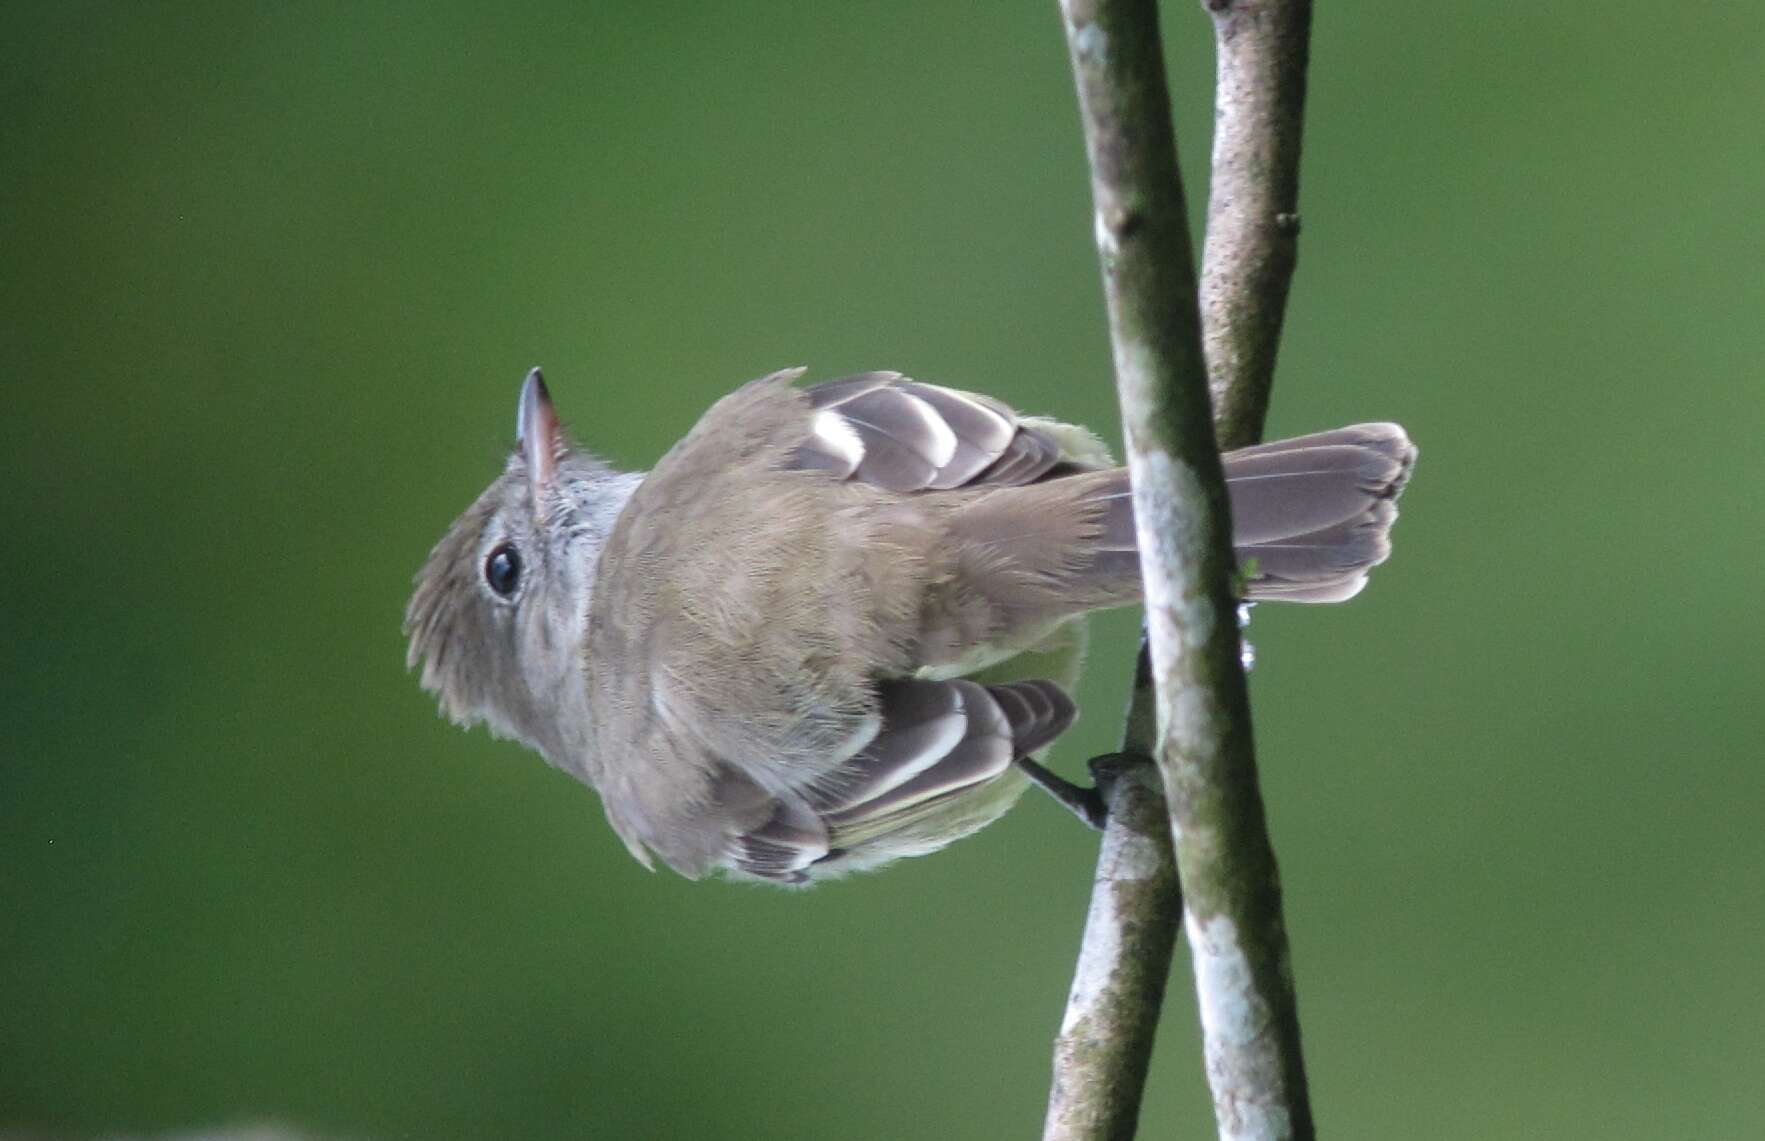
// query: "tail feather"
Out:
[1278,495]
[1312,515]
[1381,436]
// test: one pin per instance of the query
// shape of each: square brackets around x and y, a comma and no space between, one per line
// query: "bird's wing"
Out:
[936,740]
[928,743]
[904,435]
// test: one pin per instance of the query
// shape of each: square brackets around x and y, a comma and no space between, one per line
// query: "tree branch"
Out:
[1105,1043]
[1252,205]
[1202,738]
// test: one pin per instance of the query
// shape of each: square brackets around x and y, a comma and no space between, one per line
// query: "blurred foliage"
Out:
[272,275]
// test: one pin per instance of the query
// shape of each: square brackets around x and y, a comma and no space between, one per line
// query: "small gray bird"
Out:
[819,634]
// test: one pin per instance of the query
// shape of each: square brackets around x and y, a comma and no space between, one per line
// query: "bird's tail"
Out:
[1310,516]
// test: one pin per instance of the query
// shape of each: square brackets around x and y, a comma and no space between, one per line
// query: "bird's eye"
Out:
[502,570]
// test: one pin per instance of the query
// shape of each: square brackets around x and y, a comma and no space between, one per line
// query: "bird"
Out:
[837,622]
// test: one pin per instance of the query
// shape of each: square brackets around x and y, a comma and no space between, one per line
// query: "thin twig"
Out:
[1105,1042]
[1203,741]
[1252,204]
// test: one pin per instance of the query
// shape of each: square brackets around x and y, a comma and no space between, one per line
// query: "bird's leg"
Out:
[1085,803]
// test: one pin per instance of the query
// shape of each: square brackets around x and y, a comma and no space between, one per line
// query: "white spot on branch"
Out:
[1090,43]
[1247,1101]
[1176,608]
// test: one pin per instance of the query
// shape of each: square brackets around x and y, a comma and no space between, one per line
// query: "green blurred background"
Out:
[271,276]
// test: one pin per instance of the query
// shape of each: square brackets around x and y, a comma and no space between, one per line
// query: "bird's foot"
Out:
[1084,803]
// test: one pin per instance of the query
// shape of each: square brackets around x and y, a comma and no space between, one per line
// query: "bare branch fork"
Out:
[1191,712]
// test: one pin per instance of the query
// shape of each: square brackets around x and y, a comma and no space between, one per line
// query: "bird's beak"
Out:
[537,429]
